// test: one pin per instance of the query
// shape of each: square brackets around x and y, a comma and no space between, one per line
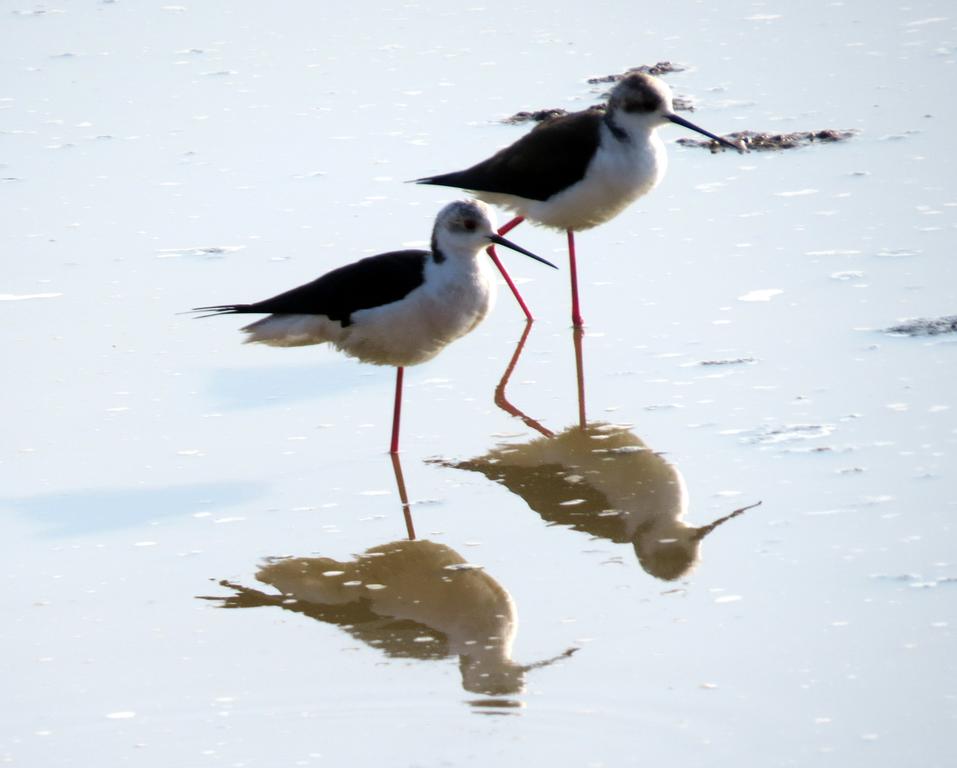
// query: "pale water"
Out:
[160,157]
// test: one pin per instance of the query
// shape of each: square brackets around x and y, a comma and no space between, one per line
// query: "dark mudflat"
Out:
[767,142]
[657,70]
[925,326]
[541,115]
[681,104]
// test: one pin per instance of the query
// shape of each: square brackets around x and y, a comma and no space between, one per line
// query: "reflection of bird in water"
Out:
[600,479]
[603,480]
[411,599]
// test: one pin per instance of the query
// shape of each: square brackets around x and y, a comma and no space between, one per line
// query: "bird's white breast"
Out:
[455,297]
[620,172]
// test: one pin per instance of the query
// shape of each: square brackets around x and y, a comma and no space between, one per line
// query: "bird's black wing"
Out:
[545,161]
[370,282]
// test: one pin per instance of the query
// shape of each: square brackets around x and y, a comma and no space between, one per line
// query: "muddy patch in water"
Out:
[661,68]
[681,104]
[925,326]
[760,141]
[541,115]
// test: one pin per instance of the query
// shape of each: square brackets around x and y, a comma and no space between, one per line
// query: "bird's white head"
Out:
[465,228]
[462,228]
[639,103]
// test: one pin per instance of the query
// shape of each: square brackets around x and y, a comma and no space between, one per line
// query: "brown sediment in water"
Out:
[925,326]
[661,68]
[543,115]
[728,361]
[681,104]
[760,141]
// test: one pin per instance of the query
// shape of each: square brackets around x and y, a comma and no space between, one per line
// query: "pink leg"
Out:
[396,413]
[506,228]
[572,267]
[508,280]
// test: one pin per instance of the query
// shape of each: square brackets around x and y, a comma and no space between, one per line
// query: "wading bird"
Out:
[399,308]
[579,170]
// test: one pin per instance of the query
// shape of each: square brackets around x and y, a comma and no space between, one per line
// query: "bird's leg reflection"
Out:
[403,495]
[502,401]
[577,334]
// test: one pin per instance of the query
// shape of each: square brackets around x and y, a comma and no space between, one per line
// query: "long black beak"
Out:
[499,240]
[688,124]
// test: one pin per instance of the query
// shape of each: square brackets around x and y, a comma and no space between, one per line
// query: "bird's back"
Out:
[370,282]
[551,157]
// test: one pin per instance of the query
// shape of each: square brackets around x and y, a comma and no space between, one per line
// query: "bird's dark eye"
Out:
[470,225]
[642,101]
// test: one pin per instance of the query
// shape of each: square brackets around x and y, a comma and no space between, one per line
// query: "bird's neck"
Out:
[614,128]
[455,267]
[437,255]
[629,128]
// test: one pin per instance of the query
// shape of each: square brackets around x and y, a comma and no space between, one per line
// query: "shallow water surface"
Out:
[568,562]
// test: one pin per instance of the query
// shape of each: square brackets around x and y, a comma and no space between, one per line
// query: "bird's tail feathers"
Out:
[442,180]
[222,309]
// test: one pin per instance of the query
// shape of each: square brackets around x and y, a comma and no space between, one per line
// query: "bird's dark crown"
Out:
[639,93]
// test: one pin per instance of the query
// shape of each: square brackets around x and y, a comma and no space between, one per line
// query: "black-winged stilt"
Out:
[579,170]
[399,308]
